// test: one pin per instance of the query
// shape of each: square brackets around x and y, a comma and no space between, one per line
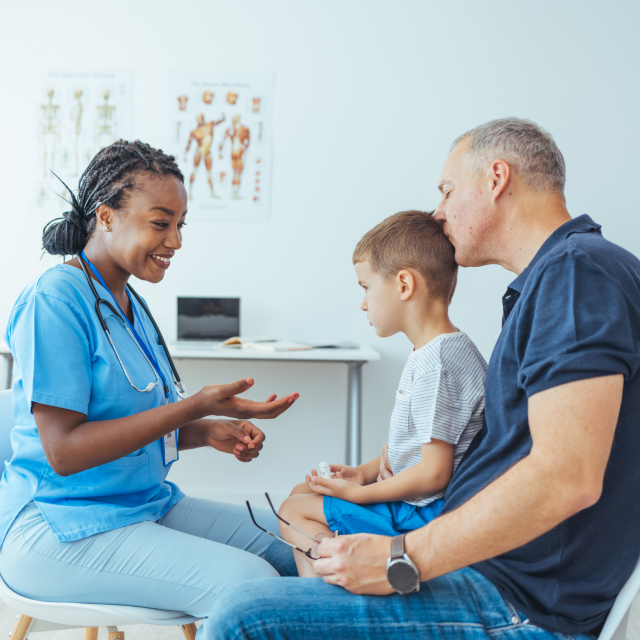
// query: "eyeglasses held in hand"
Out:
[312,552]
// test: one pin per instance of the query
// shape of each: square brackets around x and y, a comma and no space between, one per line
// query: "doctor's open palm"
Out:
[223,400]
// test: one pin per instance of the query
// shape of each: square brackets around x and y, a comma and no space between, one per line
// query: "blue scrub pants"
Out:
[182,563]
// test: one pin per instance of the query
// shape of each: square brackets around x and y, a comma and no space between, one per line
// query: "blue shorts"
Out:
[383,518]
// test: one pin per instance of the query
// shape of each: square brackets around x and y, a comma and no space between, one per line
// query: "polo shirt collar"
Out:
[581,224]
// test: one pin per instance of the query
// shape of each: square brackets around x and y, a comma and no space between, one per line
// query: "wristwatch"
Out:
[402,574]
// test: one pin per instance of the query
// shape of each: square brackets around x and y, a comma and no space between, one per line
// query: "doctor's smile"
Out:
[162,261]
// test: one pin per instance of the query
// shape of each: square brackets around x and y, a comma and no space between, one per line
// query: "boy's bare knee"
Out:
[300,488]
[289,511]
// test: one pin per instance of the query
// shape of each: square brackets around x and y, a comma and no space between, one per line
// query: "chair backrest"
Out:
[6,424]
[615,627]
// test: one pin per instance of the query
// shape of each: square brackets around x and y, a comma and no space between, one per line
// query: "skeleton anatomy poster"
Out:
[221,137]
[77,114]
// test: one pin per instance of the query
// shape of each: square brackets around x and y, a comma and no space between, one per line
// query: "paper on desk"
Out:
[277,346]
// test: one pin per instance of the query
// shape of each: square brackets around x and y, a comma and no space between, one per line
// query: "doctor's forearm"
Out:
[72,445]
[193,435]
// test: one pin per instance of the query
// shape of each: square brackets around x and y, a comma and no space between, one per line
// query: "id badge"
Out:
[170,447]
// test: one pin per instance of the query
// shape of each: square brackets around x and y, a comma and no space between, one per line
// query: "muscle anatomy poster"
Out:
[77,114]
[221,137]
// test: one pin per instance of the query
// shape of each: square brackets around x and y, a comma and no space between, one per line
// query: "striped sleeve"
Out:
[438,409]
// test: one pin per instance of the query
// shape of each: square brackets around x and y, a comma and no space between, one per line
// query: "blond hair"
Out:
[411,240]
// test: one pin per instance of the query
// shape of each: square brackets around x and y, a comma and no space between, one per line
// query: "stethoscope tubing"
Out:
[177,381]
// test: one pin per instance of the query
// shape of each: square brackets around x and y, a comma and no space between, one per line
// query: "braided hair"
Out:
[105,180]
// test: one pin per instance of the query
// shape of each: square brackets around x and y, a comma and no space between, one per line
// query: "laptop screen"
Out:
[208,318]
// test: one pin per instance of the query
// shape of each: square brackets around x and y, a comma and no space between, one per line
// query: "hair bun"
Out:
[76,217]
[66,236]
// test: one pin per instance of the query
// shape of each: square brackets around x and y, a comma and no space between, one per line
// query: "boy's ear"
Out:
[406,283]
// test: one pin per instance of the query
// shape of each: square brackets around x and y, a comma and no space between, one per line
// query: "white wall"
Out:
[369,96]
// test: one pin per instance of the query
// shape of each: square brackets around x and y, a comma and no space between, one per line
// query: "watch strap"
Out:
[397,546]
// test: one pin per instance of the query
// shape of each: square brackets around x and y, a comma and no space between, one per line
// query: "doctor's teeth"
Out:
[161,258]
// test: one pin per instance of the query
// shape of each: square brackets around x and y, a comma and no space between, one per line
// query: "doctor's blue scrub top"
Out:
[62,358]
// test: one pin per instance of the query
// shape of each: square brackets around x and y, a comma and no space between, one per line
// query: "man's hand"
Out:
[385,467]
[358,563]
[222,400]
[243,439]
[342,489]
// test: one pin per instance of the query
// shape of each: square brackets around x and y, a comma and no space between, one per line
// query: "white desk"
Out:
[353,358]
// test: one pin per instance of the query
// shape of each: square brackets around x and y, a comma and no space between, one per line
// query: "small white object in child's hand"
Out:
[325,470]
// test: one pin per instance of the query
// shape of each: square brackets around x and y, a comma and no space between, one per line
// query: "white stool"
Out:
[52,616]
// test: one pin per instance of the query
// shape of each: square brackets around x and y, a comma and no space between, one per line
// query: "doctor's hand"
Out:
[223,400]
[242,439]
[356,562]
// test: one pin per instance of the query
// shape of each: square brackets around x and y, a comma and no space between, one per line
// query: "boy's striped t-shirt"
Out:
[441,396]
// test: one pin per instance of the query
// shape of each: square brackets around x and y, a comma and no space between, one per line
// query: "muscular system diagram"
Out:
[239,136]
[202,135]
[223,121]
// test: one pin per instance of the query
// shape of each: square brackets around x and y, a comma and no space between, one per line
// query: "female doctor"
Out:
[86,513]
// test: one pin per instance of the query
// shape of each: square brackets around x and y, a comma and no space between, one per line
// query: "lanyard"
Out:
[143,343]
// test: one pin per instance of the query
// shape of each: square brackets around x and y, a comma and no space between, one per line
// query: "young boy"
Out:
[407,269]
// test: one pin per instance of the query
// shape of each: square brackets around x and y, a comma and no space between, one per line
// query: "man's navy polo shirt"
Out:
[572,314]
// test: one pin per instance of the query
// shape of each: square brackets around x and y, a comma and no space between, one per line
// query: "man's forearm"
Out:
[516,508]
[572,428]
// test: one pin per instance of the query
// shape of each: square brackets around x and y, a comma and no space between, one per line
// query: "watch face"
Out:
[402,576]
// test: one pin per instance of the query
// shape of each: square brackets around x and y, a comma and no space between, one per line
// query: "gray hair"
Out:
[527,147]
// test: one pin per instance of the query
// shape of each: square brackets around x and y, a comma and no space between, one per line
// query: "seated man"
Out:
[539,528]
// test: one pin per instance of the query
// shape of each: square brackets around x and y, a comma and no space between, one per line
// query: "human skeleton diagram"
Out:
[50,133]
[203,136]
[239,136]
[76,118]
[105,122]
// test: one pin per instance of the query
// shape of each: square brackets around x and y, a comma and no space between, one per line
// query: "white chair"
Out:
[37,616]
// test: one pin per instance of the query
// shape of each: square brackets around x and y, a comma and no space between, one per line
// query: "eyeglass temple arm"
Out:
[304,533]
[293,546]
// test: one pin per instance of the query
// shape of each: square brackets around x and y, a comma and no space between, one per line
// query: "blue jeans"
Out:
[462,605]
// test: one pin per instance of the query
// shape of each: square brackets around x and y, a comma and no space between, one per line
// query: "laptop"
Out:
[207,321]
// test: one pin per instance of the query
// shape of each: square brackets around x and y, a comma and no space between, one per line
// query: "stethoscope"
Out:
[148,356]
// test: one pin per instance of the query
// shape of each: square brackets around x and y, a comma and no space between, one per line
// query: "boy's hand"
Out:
[385,467]
[239,437]
[345,472]
[335,488]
